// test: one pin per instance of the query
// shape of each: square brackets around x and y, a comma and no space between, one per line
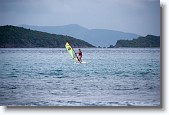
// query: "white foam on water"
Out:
[80,63]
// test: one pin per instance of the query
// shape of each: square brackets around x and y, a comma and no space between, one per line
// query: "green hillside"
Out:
[19,37]
[148,41]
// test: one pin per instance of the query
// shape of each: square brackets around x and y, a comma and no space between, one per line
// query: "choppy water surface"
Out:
[110,77]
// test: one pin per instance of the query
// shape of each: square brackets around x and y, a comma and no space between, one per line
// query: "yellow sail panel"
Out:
[71,51]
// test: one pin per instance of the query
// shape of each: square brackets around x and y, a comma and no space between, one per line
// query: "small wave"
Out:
[59,70]
[61,77]
[72,102]
[56,72]
[75,88]
[96,72]
[49,82]
[119,72]
[136,88]
[54,93]
[12,76]
[41,73]
[144,73]
[126,75]
[127,89]
[51,73]
[113,103]
[151,87]
[7,64]
[104,77]
[12,87]
[60,101]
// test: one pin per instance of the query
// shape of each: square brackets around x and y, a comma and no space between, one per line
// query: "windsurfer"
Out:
[79,55]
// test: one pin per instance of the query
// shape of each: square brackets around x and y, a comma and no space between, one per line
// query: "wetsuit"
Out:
[80,54]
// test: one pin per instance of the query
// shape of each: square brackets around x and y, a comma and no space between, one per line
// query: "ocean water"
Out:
[108,77]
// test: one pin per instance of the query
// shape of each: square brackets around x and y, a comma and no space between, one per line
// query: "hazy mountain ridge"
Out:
[19,37]
[97,37]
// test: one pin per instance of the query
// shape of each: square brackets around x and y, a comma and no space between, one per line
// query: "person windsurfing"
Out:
[79,55]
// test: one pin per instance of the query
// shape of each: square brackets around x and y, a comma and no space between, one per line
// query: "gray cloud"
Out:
[135,16]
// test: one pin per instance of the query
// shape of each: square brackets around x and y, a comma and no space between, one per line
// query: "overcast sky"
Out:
[135,16]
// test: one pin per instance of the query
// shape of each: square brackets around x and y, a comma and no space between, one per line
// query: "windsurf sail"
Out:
[71,51]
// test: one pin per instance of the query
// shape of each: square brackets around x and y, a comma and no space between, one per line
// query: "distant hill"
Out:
[19,37]
[147,41]
[97,37]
